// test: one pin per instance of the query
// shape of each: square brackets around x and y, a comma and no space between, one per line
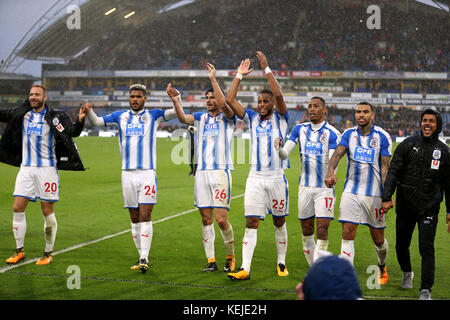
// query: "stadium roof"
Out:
[52,40]
[59,41]
[56,38]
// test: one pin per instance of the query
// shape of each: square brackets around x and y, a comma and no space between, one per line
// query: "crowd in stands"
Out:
[307,35]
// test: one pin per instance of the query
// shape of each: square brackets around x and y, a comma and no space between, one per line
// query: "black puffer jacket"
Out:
[420,170]
[63,127]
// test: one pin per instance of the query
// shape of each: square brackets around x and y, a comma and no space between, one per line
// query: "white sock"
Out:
[50,227]
[322,245]
[348,250]
[248,247]
[209,237]
[308,248]
[228,240]
[19,228]
[146,238]
[136,234]
[281,239]
[382,252]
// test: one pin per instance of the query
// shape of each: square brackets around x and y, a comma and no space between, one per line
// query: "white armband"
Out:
[94,119]
[286,150]
[169,114]
[267,70]
[239,76]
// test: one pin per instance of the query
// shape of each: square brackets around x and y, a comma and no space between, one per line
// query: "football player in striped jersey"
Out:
[212,189]
[368,148]
[137,143]
[317,141]
[266,189]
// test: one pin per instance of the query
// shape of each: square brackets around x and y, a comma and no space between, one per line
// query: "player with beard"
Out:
[137,142]
[420,171]
[39,140]
[266,189]
[212,187]
[368,148]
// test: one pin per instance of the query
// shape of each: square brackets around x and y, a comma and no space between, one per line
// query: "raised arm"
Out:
[218,94]
[176,99]
[92,117]
[273,83]
[243,70]
[78,125]
[331,179]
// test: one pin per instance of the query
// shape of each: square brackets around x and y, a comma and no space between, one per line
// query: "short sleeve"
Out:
[295,133]
[345,138]
[112,118]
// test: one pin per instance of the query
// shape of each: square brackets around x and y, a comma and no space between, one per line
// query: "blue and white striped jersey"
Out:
[262,135]
[137,136]
[213,141]
[364,160]
[38,142]
[314,147]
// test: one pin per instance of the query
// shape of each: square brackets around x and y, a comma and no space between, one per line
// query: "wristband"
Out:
[239,76]
[267,70]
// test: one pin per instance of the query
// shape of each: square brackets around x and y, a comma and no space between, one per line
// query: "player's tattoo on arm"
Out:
[337,155]
[385,161]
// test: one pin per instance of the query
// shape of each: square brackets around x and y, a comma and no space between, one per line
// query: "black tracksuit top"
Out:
[420,170]
[67,155]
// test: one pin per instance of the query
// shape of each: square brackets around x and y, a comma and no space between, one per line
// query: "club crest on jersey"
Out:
[374,142]
[55,121]
[144,117]
[436,154]
[324,137]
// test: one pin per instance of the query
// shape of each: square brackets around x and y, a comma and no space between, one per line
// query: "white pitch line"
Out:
[83,244]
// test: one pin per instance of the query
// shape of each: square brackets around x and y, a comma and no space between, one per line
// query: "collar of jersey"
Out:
[40,112]
[370,133]
[318,126]
[137,112]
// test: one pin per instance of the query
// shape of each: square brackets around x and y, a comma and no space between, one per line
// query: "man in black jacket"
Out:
[38,139]
[420,171]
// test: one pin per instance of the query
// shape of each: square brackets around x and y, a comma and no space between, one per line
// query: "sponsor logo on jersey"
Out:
[134,129]
[211,130]
[264,129]
[313,148]
[35,129]
[365,155]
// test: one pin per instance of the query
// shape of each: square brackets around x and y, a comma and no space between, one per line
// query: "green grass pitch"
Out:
[91,208]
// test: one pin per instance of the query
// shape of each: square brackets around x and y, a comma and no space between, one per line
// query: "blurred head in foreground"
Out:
[330,278]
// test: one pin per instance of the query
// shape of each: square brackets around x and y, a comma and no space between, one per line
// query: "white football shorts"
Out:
[315,202]
[139,187]
[212,189]
[266,195]
[37,183]
[361,209]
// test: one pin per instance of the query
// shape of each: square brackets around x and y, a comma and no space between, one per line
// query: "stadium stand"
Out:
[315,47]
